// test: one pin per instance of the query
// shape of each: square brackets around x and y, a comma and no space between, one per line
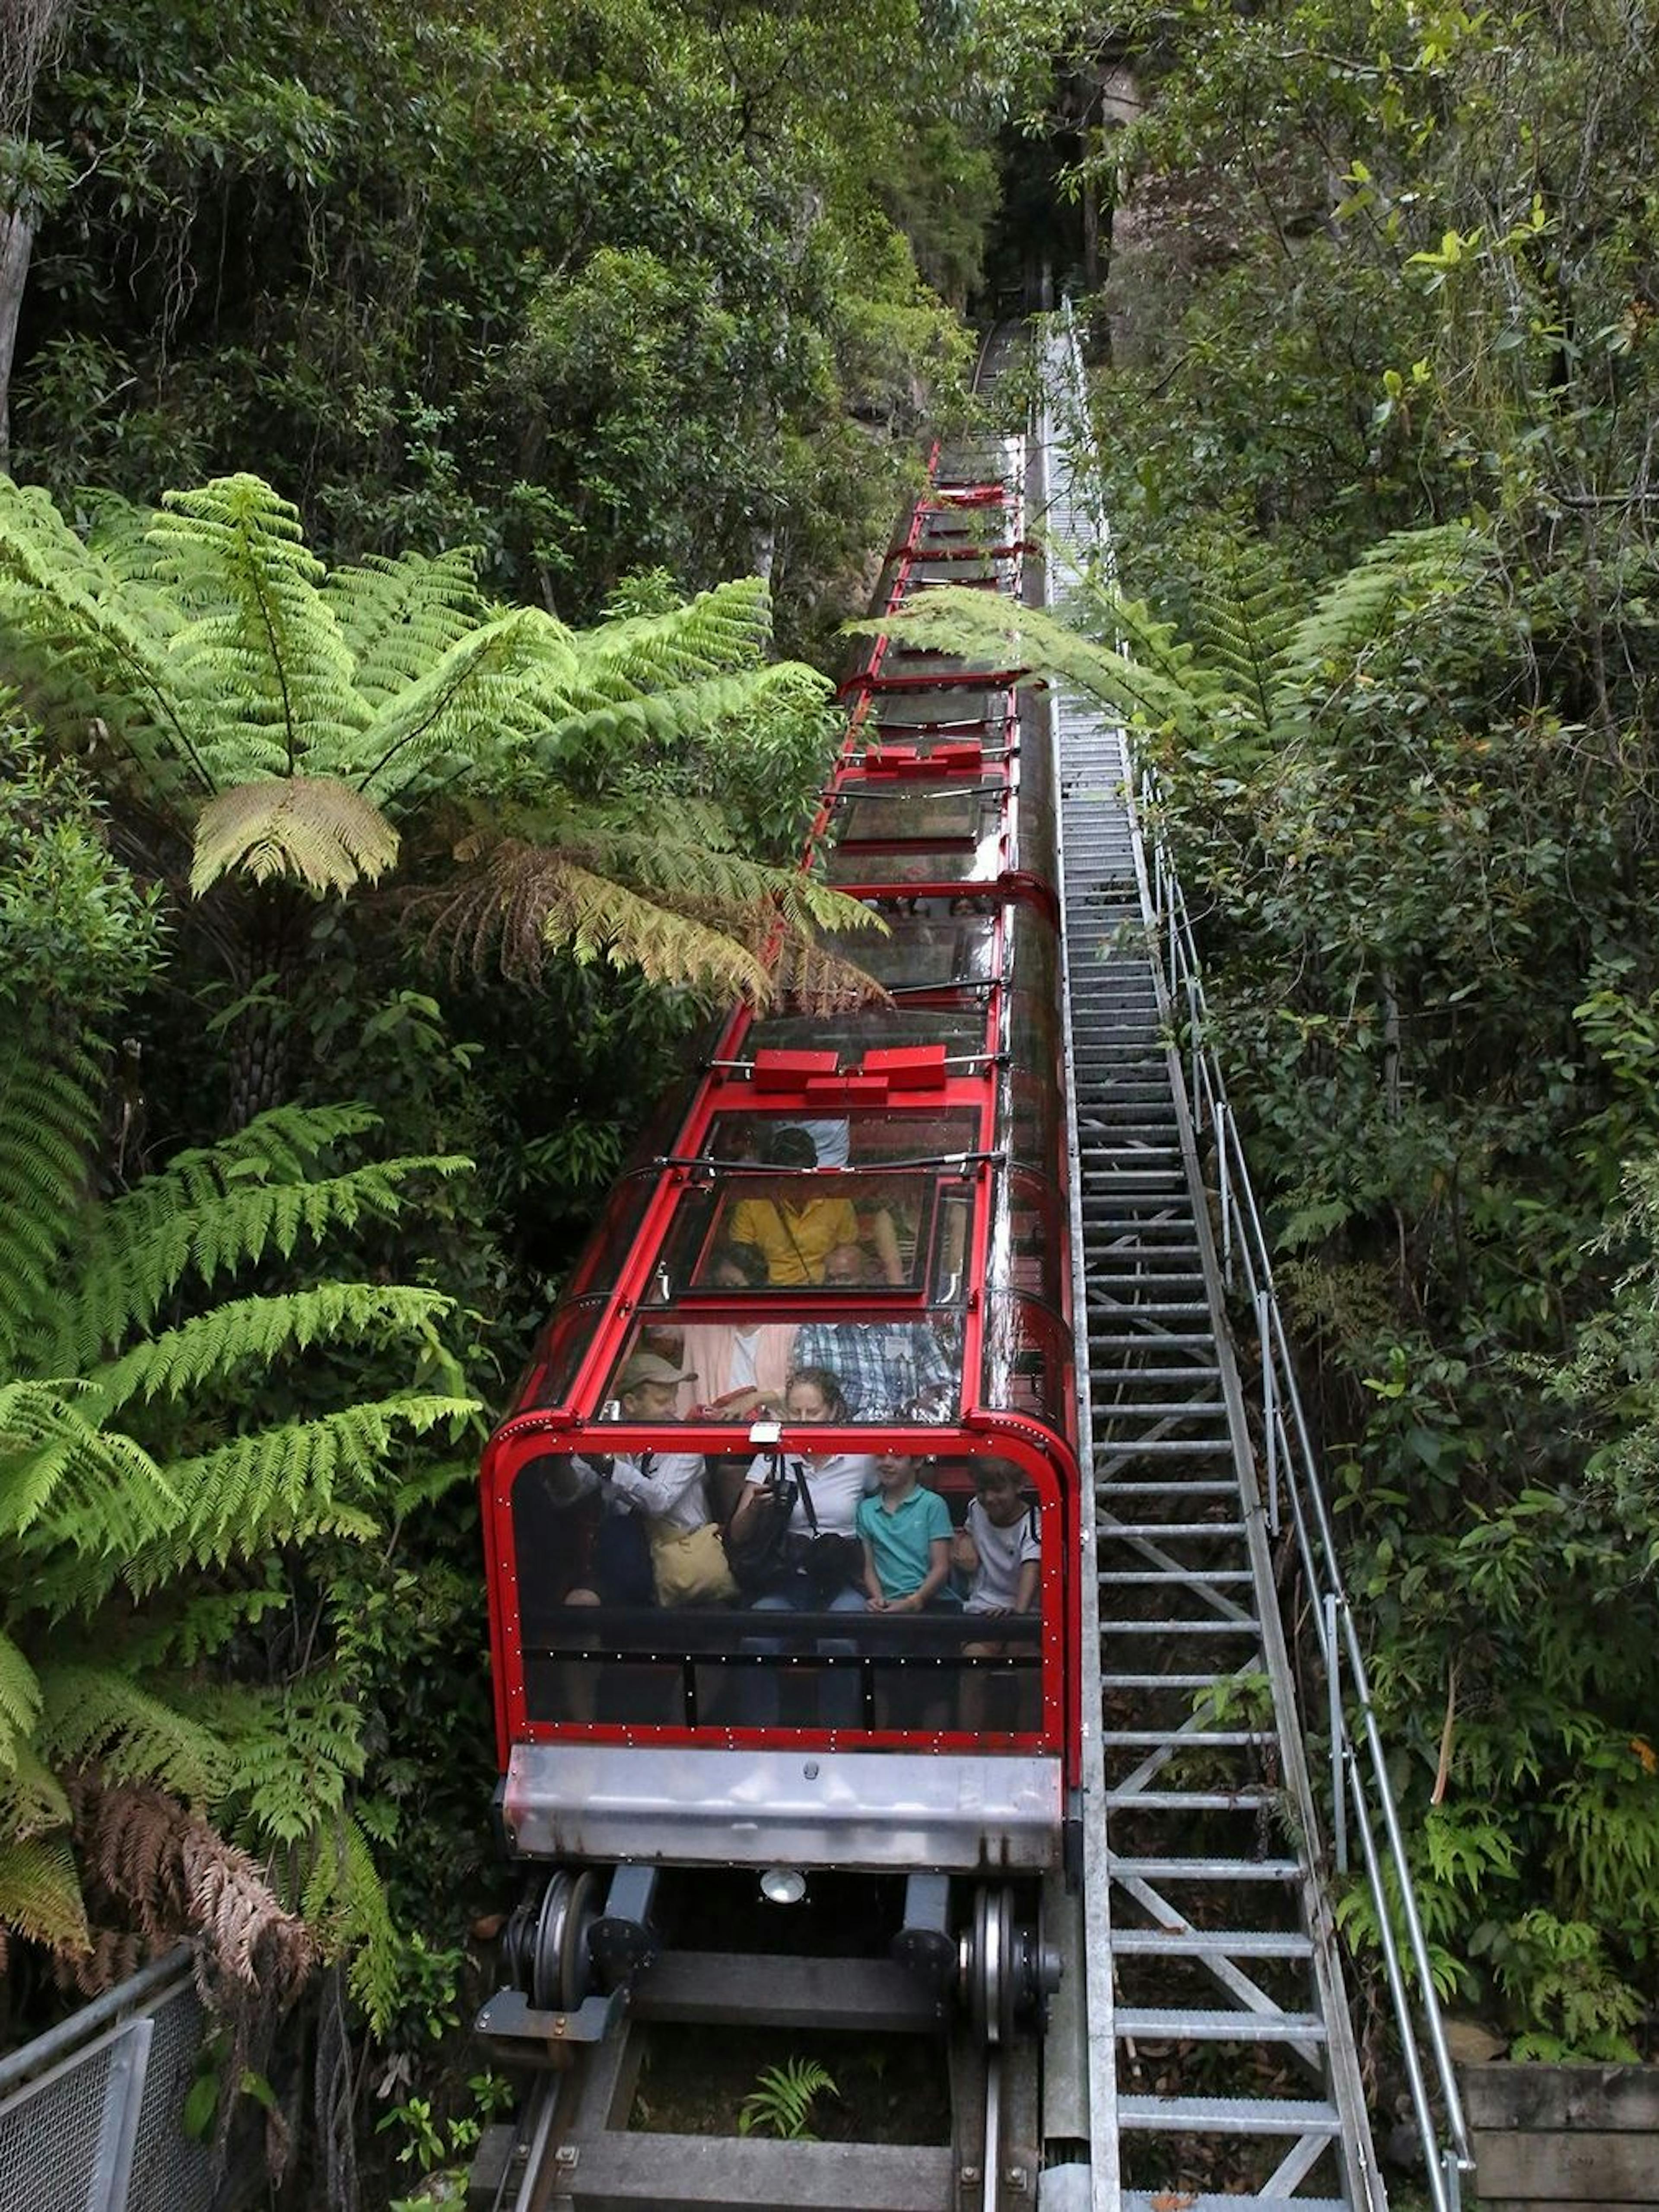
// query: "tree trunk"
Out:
[16,239]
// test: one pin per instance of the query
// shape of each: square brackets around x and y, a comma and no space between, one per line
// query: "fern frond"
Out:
[40,1894]
[213,1210]
[177,1876]
[517,901]
[65,1478]
[264,637]
[1407,575]
[210,1347]
[715,634]
[1243,618]
[1161,684]
[681,711]
[295,1753]
[89,642]
[32,1802]
[201,1626]
[20,1706]
[312,828]
[399,618]
[48,1119]
[298,1480]
[506,677]
[345,1902]
[96,1715]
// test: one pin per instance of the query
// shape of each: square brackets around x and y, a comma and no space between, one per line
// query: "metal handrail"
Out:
[1361,1794]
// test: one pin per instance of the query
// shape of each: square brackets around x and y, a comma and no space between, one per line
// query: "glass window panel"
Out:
[910,811]
[1028,1363]
[962,703]
[1035,812]
[557,1354]
[960,1029]
[737,1367]
[807,1650]
[1027,1252]
[857,865]
[934,947]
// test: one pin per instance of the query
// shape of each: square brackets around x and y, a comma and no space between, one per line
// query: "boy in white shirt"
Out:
[998,1545]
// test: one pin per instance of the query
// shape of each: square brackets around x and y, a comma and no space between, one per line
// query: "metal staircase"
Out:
[1224,2071]
[1234,2057]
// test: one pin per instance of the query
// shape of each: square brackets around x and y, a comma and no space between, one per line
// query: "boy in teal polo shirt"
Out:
[906,1532]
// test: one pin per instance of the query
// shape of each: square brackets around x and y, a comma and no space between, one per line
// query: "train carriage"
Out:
[875,1195]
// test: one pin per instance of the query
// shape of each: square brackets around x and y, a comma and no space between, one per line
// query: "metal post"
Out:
[124,2095]
[1269,1409]
[1224,1178]
[1192,1036]
[1339,1778]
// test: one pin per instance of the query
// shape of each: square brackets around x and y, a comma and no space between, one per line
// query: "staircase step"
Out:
[1202,1869]
[1238,2116]
[1206,1625]
[1209,1943]
[1171,2024]
[1242,1800]
[1187,1739]
[1139,1531]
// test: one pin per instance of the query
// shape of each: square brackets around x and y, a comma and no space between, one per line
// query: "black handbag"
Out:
[758,1552]
[830,1563]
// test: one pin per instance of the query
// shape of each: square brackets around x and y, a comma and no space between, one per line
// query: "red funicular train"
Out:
[827,1315]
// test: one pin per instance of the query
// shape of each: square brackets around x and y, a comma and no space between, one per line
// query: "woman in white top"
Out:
[835,1481]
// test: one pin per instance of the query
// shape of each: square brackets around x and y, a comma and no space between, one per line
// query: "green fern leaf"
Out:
[20,1705]
[41,1895]
[345,1902]
[213,1346]
[32,1802]
[92,1716]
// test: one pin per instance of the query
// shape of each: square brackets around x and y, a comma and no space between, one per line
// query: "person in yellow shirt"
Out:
[793,1236]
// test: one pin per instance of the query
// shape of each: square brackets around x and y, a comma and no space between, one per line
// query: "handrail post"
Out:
[1225,1183]
[1339,1735]
[1269,1408]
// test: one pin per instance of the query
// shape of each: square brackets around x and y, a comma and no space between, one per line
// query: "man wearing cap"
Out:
[671,1486]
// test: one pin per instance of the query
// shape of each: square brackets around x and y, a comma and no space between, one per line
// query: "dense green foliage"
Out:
[1382,266]
[612,286]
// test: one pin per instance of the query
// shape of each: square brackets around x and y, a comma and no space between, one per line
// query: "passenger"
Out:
[906,1533]
[669,1488]
[740,1369]
[794,1234]
[999,1548]
[828,1490]
[831,1139]
[829,1486]
[886,1367]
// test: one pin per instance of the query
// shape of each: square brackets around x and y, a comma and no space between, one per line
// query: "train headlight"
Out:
[783,1885]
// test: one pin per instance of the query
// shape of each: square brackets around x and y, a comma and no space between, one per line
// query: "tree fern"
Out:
[133,1458]
[287,722]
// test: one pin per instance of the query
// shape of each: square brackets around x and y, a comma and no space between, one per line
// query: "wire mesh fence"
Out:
[92,2113]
